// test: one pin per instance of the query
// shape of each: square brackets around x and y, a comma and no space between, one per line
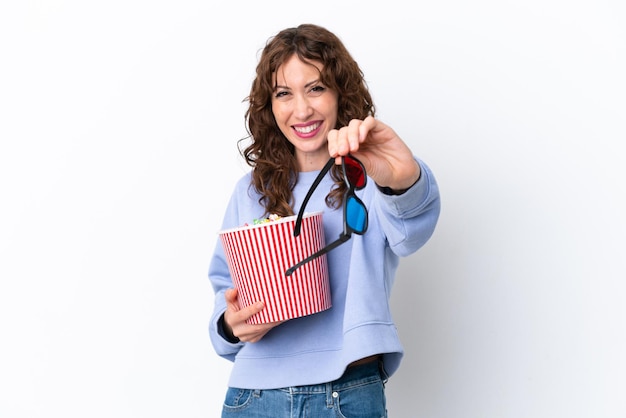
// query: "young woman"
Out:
[309,105]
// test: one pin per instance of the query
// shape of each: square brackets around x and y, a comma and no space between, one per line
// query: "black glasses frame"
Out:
[349,194]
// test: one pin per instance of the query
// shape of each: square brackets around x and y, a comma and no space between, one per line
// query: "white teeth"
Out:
[307,129]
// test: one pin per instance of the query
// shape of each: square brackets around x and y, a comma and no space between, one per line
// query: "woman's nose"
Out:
[303,107]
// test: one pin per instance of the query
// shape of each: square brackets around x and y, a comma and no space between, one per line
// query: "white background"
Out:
[119,122]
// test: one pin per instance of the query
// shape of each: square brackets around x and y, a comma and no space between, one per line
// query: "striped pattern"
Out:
[258,257]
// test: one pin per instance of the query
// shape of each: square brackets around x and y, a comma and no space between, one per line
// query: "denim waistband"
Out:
[353,376]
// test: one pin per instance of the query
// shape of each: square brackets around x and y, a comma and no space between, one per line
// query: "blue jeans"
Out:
[359,393]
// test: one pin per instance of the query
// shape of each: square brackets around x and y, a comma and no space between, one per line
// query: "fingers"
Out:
[244,331]
[254,333]
[349,138]
[236,318]
[385,156]
[232,305]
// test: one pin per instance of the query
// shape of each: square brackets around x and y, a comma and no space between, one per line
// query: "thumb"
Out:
[231,298]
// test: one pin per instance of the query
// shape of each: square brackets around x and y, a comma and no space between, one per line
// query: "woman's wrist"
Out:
[225,331]
[396,192]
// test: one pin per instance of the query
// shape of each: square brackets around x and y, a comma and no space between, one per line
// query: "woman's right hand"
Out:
[235,319]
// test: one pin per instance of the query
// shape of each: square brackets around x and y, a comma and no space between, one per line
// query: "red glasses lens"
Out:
[354,172]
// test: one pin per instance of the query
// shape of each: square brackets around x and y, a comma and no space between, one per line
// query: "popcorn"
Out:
[273,217]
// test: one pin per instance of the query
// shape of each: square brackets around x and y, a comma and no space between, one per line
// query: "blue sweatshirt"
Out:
[317,348]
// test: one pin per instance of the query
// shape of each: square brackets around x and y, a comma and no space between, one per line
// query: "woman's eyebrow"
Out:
[309,84]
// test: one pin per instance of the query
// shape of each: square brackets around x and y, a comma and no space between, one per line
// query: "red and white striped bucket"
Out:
[259,255]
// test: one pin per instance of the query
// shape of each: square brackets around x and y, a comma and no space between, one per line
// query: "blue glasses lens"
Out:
[356,215]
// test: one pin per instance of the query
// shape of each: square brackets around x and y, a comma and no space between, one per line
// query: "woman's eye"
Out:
[318,89]
[280,94]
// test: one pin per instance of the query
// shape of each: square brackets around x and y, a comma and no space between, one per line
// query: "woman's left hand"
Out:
[387,159]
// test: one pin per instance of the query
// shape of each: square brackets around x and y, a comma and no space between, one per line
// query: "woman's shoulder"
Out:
[244,179]
[244,184]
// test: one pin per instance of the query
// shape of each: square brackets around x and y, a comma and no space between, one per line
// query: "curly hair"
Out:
[270,154]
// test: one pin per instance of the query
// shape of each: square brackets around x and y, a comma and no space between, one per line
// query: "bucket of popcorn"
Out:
[258,256]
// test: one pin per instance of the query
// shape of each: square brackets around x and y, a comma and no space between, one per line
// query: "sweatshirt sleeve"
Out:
[220,279]
[409,219]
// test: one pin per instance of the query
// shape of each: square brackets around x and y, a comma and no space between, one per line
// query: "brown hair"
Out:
[270,154]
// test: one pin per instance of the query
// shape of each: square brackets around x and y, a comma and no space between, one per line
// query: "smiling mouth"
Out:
[307,129]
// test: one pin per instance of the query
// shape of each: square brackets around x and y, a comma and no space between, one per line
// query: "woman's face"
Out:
[305,110]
